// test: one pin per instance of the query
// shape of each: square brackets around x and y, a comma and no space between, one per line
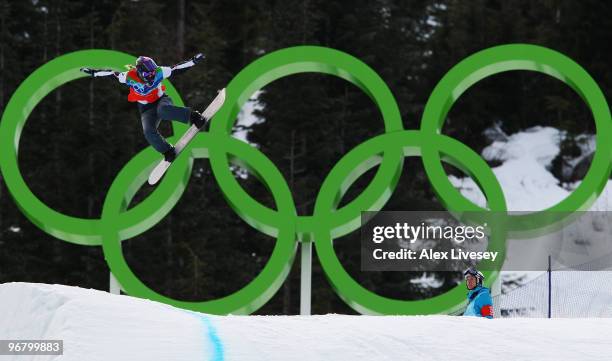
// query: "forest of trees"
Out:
[83,133]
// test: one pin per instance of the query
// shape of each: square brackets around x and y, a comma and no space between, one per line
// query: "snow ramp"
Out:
[95,325]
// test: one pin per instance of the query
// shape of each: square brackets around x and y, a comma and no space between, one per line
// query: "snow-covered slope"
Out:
[96,325]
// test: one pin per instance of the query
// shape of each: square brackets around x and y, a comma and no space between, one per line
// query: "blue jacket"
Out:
[480,303]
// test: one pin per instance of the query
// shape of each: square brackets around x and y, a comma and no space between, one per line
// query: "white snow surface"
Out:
[96,325]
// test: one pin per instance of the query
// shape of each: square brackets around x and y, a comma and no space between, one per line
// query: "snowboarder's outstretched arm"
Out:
[166,70]
[105,72]
[182,66]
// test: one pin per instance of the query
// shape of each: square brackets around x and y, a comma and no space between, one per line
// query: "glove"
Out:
[88,71]
[197,58]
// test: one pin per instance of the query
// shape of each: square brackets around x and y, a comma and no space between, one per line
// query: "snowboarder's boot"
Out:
[170,155]
[198,120]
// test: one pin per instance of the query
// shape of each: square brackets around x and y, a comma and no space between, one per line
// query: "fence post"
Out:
[114,286]
[306,278]
[549,288]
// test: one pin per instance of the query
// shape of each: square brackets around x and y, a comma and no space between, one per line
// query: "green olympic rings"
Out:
[351,167]
[385,151]
[274,66]
[133,176]
[527,57]
[40,83]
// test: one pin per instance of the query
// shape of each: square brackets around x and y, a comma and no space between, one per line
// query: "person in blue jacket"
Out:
[480,303]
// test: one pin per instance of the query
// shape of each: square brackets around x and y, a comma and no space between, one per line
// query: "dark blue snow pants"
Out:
[152,114]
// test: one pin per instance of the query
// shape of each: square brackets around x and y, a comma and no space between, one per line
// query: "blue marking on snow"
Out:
[210,333]
[217,345]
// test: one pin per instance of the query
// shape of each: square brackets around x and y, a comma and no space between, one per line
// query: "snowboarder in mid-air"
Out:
[480,303]
[146,89]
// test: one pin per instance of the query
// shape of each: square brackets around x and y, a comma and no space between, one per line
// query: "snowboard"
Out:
[209,112]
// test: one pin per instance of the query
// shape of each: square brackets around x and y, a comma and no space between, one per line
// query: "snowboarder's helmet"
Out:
[476,273]
[146,69]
